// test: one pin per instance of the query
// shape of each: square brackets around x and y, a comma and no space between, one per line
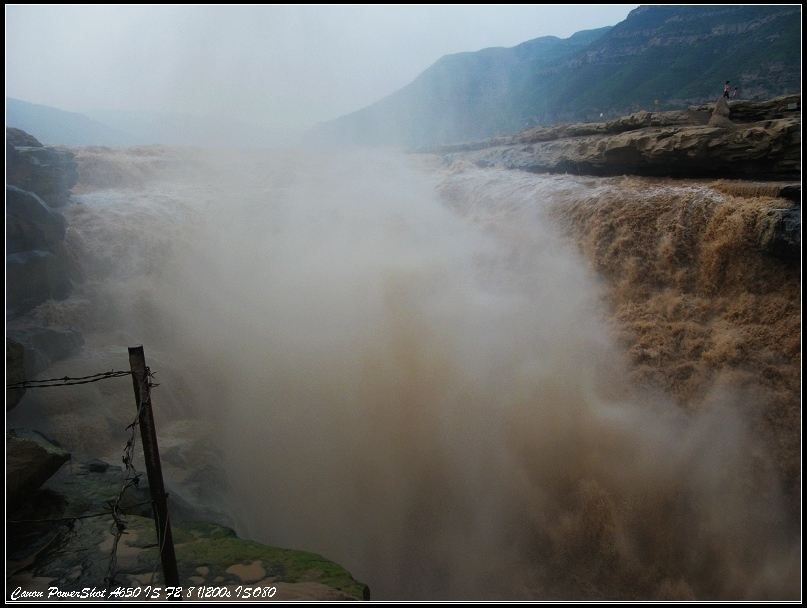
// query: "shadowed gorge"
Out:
[458,383]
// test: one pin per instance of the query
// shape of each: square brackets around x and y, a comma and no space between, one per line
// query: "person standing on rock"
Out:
[734,94]
[726,90]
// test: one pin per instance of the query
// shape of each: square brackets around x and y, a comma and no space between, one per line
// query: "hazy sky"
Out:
[278,66]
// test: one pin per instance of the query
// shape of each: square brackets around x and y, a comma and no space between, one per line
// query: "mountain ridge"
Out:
[615,73]
[660,58]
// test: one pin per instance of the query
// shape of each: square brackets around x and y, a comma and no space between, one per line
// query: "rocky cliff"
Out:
[740,140]
[732,140]
[38,180]
[38,269]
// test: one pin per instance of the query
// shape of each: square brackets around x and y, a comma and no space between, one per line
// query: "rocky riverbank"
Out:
[60,536]
[729,140]
[732,140]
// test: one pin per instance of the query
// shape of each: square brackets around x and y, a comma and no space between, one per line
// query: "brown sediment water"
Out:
[458,383]
[700,309]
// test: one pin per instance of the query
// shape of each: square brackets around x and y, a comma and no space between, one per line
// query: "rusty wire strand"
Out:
[70,519]
[67,381]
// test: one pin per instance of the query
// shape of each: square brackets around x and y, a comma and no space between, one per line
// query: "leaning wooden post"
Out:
[148,434]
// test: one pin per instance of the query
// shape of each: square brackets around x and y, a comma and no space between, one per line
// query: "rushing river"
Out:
[458,383]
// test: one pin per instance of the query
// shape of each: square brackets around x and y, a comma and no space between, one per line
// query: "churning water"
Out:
[413,370]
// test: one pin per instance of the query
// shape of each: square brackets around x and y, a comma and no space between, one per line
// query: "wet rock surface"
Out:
[63,537]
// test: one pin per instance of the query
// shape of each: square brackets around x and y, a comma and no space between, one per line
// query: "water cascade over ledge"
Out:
[458,383]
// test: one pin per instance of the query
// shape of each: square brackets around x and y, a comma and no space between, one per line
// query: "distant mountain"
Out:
[462,96]
[52,126]
[658,58]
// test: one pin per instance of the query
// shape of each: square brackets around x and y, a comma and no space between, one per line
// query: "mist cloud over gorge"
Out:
[408,372]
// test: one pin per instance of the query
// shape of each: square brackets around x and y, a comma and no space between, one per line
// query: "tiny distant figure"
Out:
[734,94]
[726,90]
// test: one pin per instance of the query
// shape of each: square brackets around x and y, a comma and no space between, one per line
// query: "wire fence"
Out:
[132,477]
[67,381]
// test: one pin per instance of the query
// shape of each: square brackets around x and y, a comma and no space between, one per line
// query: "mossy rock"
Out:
[80,551]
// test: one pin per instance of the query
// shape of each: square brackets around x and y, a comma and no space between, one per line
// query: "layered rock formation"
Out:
[757,141]
[729,140]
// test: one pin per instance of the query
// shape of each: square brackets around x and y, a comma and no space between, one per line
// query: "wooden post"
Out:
[148,434]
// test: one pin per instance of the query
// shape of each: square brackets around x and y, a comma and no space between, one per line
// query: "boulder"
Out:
[18,138]
[721,108]
[32,277]
[44,346]
[47,171]
[720,115]
[31,459]
[791,192]
[30,223]
[37,179]
[780,235]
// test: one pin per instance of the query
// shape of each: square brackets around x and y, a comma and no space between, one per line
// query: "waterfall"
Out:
[458,383]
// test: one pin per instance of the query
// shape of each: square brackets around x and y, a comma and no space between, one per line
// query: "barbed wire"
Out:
[73,518]
[67,381]
[131,479]
[131,475]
